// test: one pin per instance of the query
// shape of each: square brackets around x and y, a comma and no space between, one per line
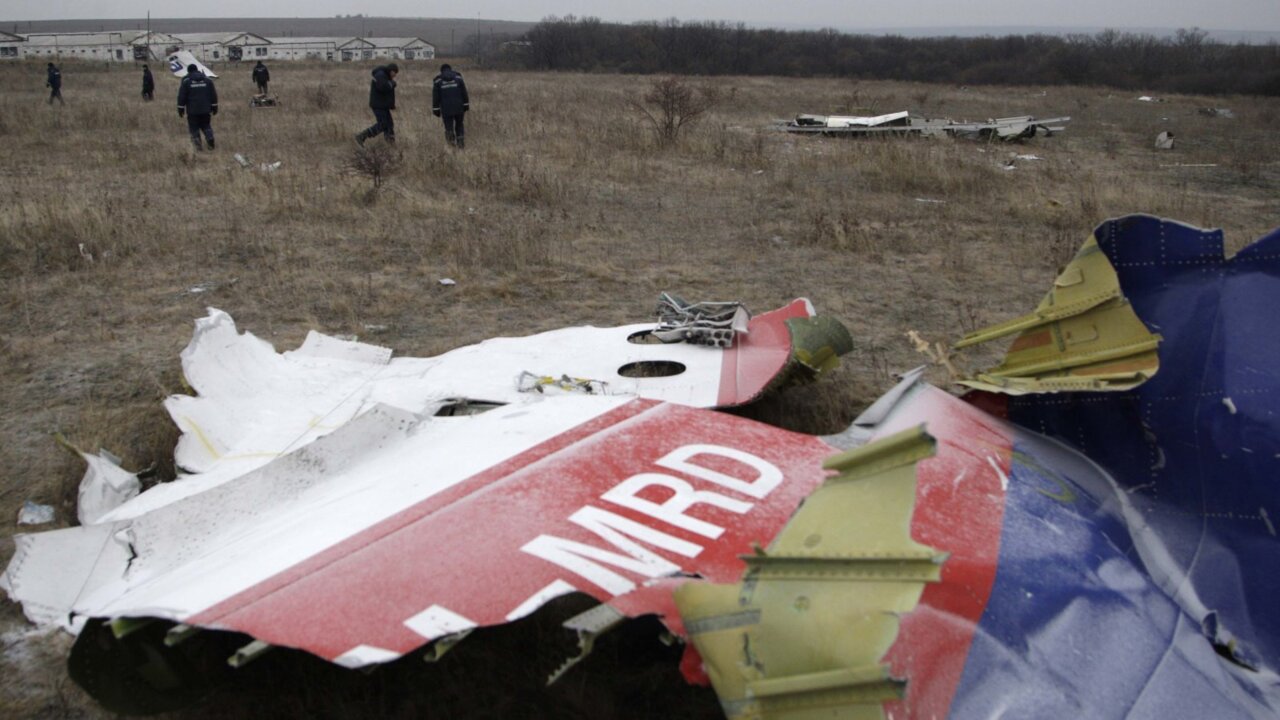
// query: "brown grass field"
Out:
[561,211]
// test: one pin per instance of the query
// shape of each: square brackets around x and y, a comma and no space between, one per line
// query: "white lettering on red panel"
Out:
[587,561]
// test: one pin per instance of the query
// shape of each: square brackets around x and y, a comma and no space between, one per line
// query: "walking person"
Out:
[382,100]
[198,100]
[54,83]
[148,84]
[261,76]
[449,100]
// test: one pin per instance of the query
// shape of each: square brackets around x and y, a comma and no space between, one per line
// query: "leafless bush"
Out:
[671,105]
[376,163]
[319,97]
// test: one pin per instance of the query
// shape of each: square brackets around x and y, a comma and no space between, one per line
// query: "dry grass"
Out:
[560,211]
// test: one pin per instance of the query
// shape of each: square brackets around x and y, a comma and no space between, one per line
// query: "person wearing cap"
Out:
[53,81]
[198,100]
[449,101]
[382,100]
[148,84]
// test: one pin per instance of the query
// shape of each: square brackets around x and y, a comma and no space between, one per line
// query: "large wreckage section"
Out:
[1087,533]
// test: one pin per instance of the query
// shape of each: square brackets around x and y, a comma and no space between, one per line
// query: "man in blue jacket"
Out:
[449,101]
[382,100]
[198,100]
[54,83]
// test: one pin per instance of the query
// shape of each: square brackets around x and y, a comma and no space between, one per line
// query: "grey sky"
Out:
[1209,14]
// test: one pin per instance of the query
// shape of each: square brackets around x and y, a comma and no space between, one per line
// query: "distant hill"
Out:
[445,33]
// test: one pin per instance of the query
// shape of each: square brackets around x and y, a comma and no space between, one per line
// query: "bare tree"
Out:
[671,105]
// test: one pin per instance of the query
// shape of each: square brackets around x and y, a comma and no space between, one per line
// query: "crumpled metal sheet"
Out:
[1119,565]
[1084,335]
[1194,448]
[314,472]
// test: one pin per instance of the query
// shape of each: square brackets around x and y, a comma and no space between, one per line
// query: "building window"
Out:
[260,52]
[119,54]
[367,54]
[346,56]
[215,54]
[8,52]
[408,54]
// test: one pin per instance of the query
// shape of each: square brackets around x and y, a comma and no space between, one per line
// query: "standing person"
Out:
[382,100]
[261,76]
[449,100]
[198,100]
[148,84]
[54,83]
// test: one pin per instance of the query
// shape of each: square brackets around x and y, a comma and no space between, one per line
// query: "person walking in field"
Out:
[261,76]
[198,100]
[54,83]
[382,100]
[449,101]
[148,84]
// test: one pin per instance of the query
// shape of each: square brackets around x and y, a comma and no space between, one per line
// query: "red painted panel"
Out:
[757,357]
[462,550]
[959,510]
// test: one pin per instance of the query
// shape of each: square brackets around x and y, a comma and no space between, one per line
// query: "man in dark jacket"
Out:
[54,83]
[148,84]
[198,100]
[261,76]
[382,100]
[449,101]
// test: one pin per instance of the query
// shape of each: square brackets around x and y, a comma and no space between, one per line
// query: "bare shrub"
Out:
[672,105]
[319,97]
[376,163]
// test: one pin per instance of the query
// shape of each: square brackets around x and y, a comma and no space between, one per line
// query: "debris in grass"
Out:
[35,514]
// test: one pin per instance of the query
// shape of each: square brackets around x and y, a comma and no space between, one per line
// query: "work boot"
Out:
[195,142]
[462,142]
[391,139]
[361,137]
[210,143]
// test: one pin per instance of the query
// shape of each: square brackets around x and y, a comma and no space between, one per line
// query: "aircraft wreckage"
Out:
[1088,532]
[904,123]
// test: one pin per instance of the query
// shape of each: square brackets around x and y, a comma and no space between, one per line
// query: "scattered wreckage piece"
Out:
[264,101]
[303,467]
[807,628]
[292,553]
[1165,140]
[179,61]
[705,323]
[1084,335]
[1195,447]
[903,123]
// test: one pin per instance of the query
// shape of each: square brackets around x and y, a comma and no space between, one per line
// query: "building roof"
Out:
[334,41]
[118,37]
[123,37]
[10,37]
[398,42]
[223,38]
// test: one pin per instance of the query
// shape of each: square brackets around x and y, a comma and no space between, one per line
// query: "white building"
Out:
[10,46]
[406,48]
[120,46]
[307,48]
[225,46]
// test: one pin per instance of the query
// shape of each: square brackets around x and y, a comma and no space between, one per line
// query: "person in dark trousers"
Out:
[382,100]
[148,84]
[261,76]
[449,101]
[198,100]
[54,83]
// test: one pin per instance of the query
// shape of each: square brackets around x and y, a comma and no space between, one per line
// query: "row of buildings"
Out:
[140,45]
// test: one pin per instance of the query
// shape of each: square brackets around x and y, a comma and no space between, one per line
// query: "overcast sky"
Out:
[845,14]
